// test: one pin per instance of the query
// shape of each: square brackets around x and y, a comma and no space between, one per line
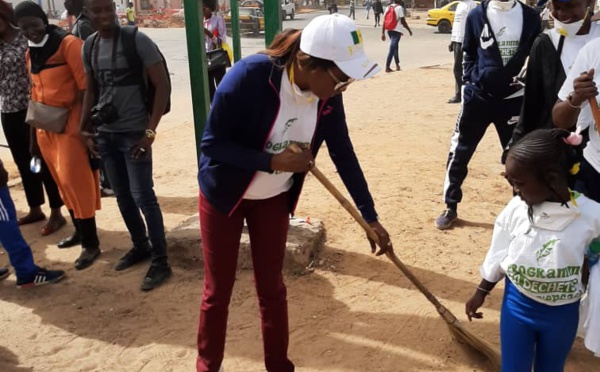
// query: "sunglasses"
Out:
[340,86]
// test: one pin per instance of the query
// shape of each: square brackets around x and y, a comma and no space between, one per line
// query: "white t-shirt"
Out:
[399,15]
[296,123]
[507,27]
[588,58]
[572,45]
[544,259]
[460,20]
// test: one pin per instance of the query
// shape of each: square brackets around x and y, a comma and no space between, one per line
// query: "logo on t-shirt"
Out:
[288,124]
[501,32]
[546,249]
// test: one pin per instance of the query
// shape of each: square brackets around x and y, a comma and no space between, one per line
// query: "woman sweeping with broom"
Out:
[290,94]
[539,243]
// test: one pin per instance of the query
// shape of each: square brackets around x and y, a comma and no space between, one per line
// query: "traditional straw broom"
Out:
[459,333]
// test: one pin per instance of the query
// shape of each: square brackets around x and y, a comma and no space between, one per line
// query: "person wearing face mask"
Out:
[288,95]
[498,38]
[58,83]
[14,99]
[551,58]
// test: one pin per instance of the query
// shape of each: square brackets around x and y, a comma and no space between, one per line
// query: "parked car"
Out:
[253,4]
[288,9]
[252,20]
[443,18]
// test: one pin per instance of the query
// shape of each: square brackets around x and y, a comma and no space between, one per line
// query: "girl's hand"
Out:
[382,37]
[474,304]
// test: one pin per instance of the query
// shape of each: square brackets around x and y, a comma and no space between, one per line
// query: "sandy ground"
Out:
[355,312]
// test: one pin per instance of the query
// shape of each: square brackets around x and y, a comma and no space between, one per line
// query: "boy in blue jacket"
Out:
[498,37]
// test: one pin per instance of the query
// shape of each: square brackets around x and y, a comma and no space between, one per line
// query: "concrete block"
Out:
[305,240]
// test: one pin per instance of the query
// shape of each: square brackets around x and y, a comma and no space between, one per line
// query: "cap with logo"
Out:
[336,38]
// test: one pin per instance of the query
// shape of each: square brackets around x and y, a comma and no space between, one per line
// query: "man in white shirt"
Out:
[395,27]
[458,33]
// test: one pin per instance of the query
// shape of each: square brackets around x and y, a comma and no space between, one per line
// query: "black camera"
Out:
[105,114]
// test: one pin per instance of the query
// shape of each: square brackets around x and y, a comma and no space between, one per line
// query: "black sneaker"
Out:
[42,277]
[446,219]
[157,274]
[134,256]
[4,273]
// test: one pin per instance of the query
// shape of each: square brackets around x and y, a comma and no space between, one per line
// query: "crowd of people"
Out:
[79,102]
[93,99]
[538,88]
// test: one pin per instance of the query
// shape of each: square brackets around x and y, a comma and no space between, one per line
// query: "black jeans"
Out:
[214,79]
[458,69]
[17,134]
[133,185]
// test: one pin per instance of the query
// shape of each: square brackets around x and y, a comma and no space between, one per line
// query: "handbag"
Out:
[49,118]
[218,58]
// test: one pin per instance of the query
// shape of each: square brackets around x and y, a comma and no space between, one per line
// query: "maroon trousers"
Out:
[268,222]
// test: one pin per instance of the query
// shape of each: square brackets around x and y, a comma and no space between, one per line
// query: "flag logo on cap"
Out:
[356,37]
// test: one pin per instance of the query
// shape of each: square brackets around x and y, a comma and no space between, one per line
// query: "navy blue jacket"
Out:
[243,114]
[482,63]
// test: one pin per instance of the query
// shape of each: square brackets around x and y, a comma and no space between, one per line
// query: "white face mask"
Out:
[503,6]
[569,29]
[40,44]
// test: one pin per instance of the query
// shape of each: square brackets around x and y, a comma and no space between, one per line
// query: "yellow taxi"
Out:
[443,18]
[252,20]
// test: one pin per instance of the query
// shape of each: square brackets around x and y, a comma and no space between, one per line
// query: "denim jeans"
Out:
[132,182]
[393,53]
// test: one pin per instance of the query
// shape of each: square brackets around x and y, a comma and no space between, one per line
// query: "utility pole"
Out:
[194,31]
[272,20]
[235,30]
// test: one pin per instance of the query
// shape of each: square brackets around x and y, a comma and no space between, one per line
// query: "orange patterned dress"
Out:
[65,153]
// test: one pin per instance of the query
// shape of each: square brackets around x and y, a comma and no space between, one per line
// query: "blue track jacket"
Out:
[482,63]
[243,114]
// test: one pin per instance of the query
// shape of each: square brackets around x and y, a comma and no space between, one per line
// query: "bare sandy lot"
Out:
[354,313]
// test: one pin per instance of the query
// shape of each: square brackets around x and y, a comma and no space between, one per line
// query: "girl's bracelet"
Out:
[484,290]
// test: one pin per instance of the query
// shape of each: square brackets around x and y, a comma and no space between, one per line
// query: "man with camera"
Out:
[123,114]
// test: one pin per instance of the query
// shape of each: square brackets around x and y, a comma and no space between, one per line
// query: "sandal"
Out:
[47,230]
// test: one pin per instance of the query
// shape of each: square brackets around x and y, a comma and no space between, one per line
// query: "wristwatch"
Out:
[150,134]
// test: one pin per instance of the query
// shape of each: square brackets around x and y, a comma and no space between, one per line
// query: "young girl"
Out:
[539,242]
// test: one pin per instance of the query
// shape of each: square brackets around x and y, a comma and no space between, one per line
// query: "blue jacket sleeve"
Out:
[230,112]
[469,46]
[343,156]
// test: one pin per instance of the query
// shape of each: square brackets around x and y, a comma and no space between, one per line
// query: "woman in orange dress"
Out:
[58,80]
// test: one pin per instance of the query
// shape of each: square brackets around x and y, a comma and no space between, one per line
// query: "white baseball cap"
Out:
[336,38]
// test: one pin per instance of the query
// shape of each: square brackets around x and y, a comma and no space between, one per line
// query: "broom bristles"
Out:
[464,336]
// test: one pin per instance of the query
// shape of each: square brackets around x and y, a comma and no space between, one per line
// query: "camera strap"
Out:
[113,60]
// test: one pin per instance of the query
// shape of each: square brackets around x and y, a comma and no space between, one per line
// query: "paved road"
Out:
[424,48]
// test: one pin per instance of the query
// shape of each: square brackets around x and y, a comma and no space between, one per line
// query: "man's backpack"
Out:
[390,21]
[128,39]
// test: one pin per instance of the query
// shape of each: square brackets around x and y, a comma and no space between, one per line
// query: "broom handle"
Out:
[595,112]
[373,235]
